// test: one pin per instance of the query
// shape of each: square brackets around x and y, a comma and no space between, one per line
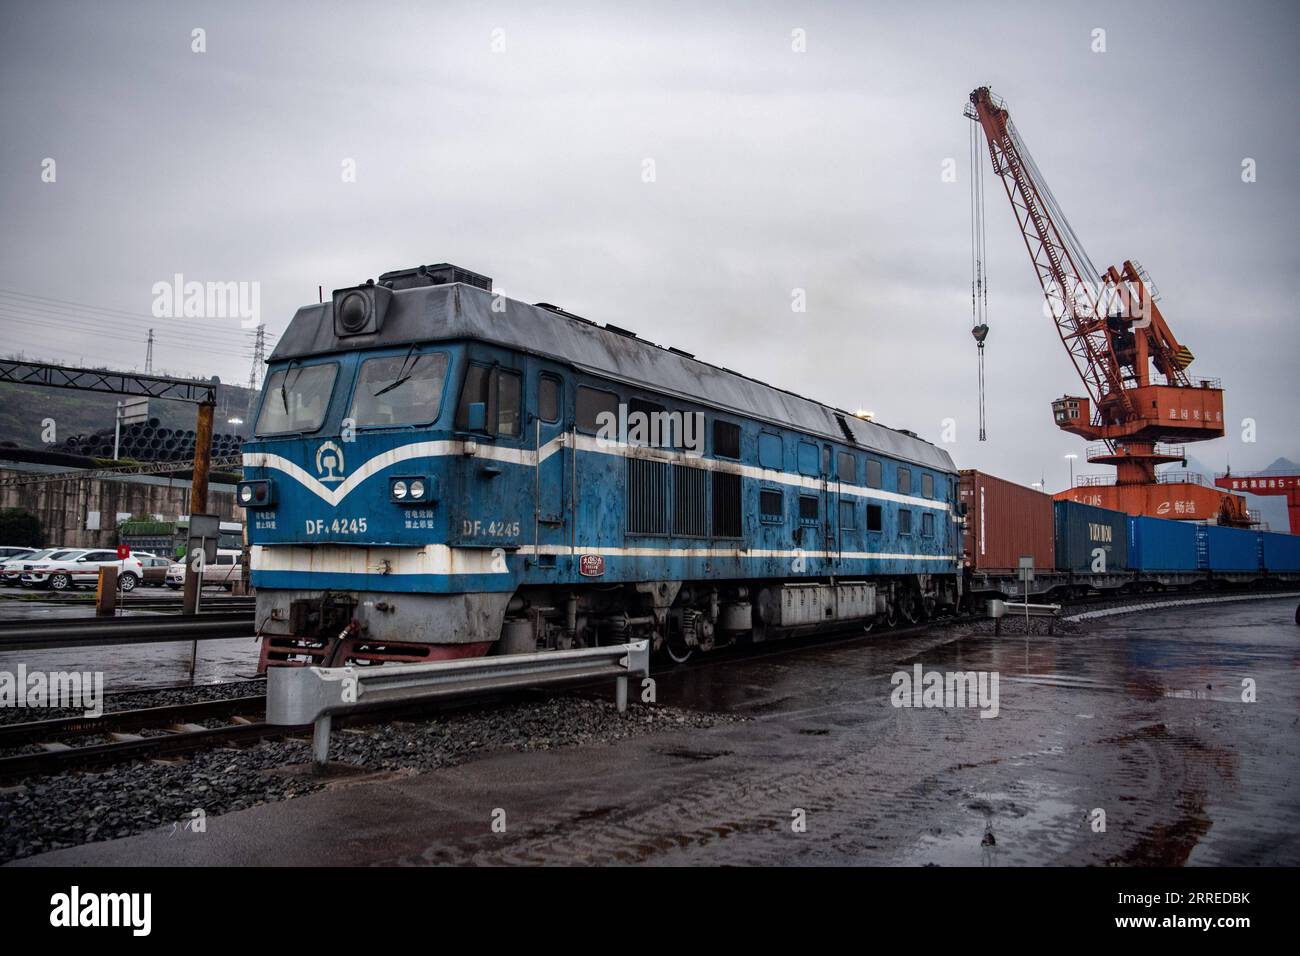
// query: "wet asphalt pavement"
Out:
[1139,716]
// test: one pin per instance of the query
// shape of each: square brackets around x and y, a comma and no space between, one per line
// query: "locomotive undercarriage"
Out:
[681,618]
[678,618]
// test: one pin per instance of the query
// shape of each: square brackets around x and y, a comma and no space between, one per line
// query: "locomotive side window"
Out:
[726,439]
[927,525]
[927,485]
[873,473]
[808,508]
[875,518]
[498,389]
[769,450]
[847,468]
[807,459]
[548,398]
[296,399]
[848,515]
[770,507]
[904,481]
[904,521]
[399,389]
[590,403]
[652,432]
[509,402]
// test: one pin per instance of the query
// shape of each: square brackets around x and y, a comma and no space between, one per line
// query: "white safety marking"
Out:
[1186,602]
[346,559]
[587,443]
[442,559]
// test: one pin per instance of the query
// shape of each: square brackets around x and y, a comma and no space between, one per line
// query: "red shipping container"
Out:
[1003,522]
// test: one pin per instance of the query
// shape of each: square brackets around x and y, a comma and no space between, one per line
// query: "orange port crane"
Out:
[1274,482]
[1134,370]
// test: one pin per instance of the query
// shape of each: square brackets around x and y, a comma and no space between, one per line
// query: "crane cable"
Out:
[979,289]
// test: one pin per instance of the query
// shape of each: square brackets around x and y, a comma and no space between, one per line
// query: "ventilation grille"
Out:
[647,497]
[690,510]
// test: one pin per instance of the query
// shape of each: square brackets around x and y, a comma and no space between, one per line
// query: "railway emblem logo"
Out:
[591,565]
[329,462]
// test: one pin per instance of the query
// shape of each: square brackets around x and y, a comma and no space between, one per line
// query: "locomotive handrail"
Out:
[296,696]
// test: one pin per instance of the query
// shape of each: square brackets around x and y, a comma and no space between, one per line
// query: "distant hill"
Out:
[23,409]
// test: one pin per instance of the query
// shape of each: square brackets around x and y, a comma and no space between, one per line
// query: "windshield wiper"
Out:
[284,391]
[403,376]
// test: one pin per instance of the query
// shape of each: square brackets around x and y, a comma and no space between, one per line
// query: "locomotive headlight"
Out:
[256,494]
[413,490]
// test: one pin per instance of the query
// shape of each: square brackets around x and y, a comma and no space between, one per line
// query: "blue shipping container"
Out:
[1085,535]
[1281,551]
[1228,549]
[1158,544]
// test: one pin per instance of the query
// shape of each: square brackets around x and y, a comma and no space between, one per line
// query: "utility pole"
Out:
[148,355]
[198,497]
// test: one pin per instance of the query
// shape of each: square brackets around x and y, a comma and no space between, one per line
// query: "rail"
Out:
[95,632]
[313,695]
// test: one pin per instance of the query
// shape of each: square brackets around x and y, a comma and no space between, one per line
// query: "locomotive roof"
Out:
[460,311]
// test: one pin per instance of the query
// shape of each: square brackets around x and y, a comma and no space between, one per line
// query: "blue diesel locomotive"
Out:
[439,471]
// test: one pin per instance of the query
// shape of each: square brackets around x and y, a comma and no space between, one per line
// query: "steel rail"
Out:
[121,721]
[96,632]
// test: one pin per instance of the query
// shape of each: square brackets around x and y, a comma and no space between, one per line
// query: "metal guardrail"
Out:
[296,696]
[145,629]
[998,609]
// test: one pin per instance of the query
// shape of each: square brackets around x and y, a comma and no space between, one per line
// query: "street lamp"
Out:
[1071,457]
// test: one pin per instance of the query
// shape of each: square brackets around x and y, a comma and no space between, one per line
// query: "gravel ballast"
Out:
[139,699]
[75,808]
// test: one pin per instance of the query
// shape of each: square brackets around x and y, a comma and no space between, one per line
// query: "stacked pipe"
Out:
[150,441]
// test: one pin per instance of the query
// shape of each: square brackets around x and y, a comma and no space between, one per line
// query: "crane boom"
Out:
[1069,280]
[1115,336]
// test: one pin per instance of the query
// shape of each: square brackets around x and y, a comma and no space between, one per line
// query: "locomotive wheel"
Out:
[678,652]
[910,609]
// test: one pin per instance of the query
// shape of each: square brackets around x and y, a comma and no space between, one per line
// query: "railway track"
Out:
[37,633]
[173,730]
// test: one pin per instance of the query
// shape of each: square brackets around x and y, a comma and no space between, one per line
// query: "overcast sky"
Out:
[511,138]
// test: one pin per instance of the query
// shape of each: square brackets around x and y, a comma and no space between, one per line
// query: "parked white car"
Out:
[81,567]
[224,572]
[9,552]
[11,569]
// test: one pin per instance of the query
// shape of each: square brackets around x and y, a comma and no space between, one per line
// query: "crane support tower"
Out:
[1139,398]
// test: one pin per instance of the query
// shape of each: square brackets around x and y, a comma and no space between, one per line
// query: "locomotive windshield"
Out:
[296,399]
[399,389]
